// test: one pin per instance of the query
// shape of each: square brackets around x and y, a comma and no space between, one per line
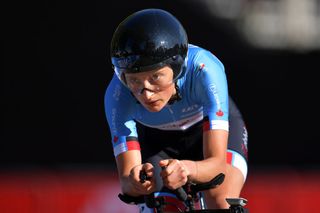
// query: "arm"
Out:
[211,91]
[212,84]
[177,173]
[214,150]
[119,107]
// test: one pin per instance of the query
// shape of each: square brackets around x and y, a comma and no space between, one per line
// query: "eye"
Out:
[156,77]
[133,81]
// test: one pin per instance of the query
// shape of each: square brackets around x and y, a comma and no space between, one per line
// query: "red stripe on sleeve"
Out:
[206,126]
[229,157]
[133,145]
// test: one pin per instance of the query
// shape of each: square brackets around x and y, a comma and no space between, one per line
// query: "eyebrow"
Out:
[155,72]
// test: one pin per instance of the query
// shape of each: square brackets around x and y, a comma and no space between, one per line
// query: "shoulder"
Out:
[202,63]
[205,76]
[198,57]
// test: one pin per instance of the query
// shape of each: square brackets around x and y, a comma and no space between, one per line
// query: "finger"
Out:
[166,172]
[148,168]
[164,163]
[142,188]
[138,188]
[149,187]
[135,173]
[172,165]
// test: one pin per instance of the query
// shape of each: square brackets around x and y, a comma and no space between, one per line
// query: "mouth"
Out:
[152,103]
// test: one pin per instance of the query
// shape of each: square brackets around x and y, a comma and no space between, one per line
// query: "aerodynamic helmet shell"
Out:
[147,40]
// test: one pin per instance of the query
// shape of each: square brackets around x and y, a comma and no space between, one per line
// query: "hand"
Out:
[136,187]
[175,173]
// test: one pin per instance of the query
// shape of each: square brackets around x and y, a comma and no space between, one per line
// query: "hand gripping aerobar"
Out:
[181,194]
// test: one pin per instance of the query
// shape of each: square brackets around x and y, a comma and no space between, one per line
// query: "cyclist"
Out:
[169,111]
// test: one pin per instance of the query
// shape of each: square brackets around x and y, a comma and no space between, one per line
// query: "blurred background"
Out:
[55,150]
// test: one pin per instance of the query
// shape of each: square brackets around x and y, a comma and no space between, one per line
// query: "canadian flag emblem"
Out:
[201,66]
[219,113]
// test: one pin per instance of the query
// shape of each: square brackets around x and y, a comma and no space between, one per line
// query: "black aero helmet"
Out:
[146,40]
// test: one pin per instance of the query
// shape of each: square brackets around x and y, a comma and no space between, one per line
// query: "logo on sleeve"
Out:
[219,113]
[115,139]
[201,66]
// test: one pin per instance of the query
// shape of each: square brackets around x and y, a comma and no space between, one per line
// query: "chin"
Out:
[154,108]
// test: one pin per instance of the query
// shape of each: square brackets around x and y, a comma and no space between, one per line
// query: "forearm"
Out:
[214,154]
[125,163]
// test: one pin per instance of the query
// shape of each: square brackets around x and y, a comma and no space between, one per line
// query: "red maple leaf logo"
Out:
[219,113]
[201,66]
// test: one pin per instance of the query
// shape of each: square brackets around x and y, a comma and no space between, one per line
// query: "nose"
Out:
[146,84]
[147,89]
[146,93]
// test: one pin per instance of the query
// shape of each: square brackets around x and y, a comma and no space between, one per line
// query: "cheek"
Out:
[167,94]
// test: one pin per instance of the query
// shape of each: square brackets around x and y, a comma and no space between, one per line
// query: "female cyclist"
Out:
[169,112]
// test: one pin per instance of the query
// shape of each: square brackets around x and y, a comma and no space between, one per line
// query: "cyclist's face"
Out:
[153,89]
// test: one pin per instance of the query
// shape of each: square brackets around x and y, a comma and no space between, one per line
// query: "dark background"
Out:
[56,69]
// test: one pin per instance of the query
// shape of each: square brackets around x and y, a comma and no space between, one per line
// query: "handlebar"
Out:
[191,193]
[182,195]
[150,200]
[216,181]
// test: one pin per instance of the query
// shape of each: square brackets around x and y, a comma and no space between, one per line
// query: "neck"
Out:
[176,95]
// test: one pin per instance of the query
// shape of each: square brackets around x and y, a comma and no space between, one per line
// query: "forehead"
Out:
[164,70]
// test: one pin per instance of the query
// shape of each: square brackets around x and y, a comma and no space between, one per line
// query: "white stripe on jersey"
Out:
[180,124]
